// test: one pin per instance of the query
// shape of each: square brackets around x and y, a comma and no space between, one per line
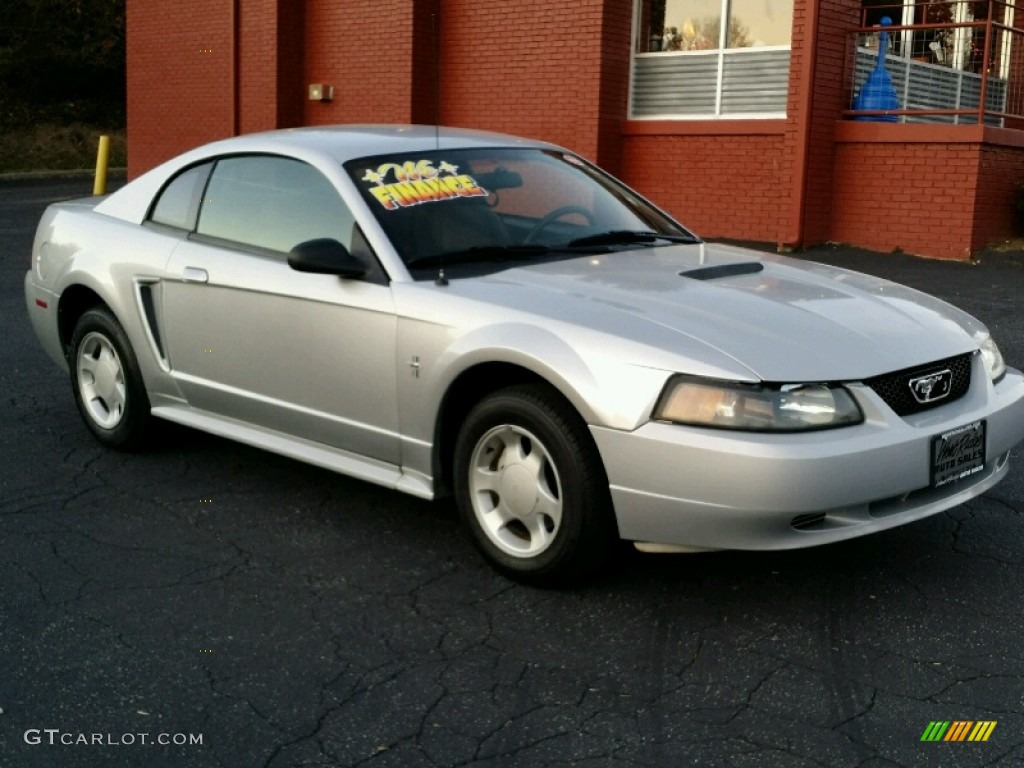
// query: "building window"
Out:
[688,63]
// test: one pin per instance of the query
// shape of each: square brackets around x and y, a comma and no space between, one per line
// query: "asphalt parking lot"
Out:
[287,616]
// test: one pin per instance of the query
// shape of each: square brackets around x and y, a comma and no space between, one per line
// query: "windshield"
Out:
[453,207]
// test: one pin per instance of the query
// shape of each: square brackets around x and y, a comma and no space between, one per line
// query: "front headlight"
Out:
[992,357]
[756,407]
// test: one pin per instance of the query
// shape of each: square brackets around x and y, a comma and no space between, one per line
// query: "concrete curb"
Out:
[70,173]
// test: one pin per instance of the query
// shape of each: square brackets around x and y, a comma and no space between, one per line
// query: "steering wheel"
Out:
[554,215]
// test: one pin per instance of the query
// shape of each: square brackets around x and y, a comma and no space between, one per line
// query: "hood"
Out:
[783,319]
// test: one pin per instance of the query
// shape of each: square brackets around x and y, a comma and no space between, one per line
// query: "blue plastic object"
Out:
[877,92]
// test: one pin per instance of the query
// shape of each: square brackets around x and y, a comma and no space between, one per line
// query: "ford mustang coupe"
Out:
[456,312]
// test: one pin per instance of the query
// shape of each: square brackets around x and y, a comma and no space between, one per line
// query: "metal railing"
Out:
[946,62]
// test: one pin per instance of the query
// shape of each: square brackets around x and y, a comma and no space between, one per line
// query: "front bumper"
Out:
[41,304]
[713,489]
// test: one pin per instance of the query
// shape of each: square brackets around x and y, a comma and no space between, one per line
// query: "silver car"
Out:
[444,311]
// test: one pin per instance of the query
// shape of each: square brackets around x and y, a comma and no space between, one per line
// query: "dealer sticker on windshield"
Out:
[400,185]
[958,453]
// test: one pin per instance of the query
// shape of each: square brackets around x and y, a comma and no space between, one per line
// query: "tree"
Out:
[704,34]
[59,51]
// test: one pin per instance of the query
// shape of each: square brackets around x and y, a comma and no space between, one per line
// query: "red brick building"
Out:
[737,128]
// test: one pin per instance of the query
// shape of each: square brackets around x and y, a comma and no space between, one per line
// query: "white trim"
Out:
[730,51]
[722,118]
[961,35]
[634,44]
[1009,14]
[723,40]
[907,35]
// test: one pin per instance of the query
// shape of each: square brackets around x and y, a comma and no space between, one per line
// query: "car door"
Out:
[251,339]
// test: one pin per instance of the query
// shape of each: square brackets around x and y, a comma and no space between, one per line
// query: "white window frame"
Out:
[720,53]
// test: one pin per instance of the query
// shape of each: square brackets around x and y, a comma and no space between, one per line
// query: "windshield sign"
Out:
[416,182]
[503,206]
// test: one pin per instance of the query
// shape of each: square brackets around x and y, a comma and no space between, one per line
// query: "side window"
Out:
[273,203]
[178,203]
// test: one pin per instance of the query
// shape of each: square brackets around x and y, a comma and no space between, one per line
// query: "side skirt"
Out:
[336,460]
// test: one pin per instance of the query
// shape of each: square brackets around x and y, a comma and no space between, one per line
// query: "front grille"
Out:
[894,388]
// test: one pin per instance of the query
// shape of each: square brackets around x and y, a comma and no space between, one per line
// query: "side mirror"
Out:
[326,257]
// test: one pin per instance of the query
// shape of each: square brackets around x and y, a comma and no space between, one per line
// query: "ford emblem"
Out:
[932,387]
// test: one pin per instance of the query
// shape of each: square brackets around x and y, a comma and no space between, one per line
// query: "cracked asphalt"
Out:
[293,617]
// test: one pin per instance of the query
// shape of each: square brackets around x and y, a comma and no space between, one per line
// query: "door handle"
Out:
[194,275]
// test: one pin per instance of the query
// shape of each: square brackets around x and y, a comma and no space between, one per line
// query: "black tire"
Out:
[536,462]
[106,381]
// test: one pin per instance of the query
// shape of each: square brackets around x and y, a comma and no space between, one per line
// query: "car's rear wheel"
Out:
[105,378]
[530,485]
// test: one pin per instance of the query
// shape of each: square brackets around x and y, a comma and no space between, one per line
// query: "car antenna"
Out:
[441,280]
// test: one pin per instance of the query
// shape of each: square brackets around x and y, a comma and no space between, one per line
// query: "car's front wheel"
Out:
[105,377]
[530,485]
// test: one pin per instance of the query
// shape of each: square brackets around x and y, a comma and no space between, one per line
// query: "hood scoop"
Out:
[723,270]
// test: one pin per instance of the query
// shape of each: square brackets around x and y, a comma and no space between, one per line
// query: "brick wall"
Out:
[719,184]
[741,179]
[364,48]
[1000,171]
[271,90]
[184,88]
[556,73]
[291,60]
[828,97]
[180,69]
[613,95]
[906,187]
[257,65]
[942,191]
[560,72]
[532,68]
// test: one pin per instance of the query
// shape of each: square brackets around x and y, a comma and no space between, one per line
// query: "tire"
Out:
[531,488]
[106,381]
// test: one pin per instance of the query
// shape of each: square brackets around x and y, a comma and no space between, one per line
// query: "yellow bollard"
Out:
[99,187]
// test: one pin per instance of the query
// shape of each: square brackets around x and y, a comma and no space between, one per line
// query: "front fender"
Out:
[605,391]
[602,389]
